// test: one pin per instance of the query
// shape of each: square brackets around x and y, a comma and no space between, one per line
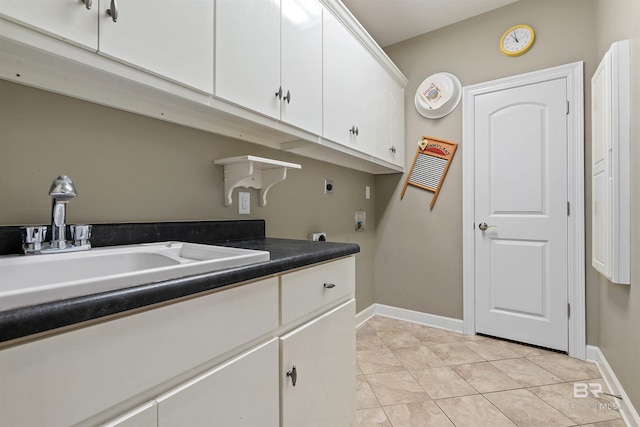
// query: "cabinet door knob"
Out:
[288,97]
[113,11]
[293,373]
[279,93]
[88,3]
[354,130]
[393,149]
[329,285]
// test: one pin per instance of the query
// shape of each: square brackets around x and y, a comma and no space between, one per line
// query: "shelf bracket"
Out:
[254,172]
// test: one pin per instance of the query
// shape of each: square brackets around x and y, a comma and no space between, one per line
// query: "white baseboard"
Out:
[365,315]
[627,411]
[426,319]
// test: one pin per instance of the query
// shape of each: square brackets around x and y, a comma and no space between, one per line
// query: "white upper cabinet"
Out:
[302,64]
[306,76]
[68,20]
[171,38]
[389,118]
[257,68]
[248,54]
[348,88]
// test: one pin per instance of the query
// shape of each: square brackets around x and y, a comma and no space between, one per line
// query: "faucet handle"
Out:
[62,189]
[80,233]
[33,237]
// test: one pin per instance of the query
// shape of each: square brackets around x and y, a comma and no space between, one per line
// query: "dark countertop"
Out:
[285,255]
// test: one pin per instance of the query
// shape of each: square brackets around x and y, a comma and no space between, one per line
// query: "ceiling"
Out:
[392,21]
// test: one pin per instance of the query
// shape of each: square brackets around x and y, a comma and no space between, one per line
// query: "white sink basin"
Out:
[34,279]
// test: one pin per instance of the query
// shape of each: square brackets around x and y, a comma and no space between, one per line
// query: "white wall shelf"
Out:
[254,172]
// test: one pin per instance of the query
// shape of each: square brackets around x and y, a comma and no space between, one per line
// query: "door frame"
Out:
[573,73]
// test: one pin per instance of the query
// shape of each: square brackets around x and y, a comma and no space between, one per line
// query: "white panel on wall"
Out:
[610,168]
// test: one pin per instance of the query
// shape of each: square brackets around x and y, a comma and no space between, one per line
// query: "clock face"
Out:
[517,40]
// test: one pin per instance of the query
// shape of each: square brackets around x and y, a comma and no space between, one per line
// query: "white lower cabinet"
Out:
[318,364]
[78,377]
[220,359]
[241,392]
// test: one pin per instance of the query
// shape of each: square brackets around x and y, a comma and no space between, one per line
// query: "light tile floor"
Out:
[414,375]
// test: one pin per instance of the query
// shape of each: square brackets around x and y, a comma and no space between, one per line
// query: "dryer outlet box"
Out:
[319,237]
[328,186]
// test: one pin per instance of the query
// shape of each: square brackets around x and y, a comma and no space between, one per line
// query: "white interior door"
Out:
[521,261]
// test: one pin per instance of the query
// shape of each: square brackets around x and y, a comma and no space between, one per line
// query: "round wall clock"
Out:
[517,40]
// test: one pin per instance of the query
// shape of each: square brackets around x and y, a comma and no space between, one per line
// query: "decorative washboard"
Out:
[430,165]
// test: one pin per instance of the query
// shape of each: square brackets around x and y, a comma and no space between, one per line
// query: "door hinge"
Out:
[568,310]
[567,106]
[568,208]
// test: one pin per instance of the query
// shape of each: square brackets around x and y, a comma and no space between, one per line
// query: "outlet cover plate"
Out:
[244,203]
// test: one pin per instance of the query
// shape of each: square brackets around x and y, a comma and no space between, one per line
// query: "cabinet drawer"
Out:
[307,290]
[89,370]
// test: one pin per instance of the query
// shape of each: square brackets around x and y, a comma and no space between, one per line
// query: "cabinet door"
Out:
[389,118]
[68,20]
[144,416]
[302,64]
[248,54]
[323,353]
[172,38]
[241,392]
[348,85]
[101,365]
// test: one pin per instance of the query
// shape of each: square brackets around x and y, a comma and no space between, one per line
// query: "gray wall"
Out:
[129,168]
[419,258]
[619,315]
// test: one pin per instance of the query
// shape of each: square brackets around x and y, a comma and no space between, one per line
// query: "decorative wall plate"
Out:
[438,95]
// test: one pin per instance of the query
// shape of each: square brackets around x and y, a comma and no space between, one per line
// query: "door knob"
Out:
[483,226]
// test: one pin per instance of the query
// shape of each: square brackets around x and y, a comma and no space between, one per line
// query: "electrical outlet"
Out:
[244,203]
[319,237]
[328,186]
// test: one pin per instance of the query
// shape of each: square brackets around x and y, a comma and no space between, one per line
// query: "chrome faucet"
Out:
[62,191]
